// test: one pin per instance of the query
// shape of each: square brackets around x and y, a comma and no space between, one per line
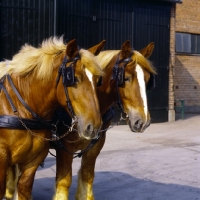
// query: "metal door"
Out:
[24,21]
[141,22]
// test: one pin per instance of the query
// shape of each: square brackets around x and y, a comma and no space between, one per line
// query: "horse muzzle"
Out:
[90,132]
[139,125]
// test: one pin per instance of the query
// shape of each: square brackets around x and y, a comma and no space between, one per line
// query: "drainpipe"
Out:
[54,23]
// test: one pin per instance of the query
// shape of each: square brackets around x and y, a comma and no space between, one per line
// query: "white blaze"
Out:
[140,77]
[89,75]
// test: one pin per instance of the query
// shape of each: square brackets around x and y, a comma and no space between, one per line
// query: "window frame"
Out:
[187,43]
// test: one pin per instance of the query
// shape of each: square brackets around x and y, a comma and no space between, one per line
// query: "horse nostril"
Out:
[89,128]
[138,124]
[90,132]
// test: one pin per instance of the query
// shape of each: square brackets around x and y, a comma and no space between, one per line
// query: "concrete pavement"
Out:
[163,163]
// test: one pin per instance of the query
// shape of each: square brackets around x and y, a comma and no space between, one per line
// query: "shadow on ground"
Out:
[118,186]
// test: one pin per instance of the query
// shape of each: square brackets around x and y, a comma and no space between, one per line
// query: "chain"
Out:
[117,123]
[54,138]
[72,129]
[124,117]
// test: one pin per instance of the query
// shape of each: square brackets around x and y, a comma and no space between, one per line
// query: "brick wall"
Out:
[188,16]
[187,67]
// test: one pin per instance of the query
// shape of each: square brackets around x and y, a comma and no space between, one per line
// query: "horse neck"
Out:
[40,97]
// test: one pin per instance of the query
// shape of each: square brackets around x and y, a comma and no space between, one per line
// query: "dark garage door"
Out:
[89,21]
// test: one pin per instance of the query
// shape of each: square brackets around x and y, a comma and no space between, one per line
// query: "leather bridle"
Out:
[68,79]
[118,74]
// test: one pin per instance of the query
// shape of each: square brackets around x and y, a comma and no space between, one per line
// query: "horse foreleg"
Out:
[63,174]
[86,172]
[11,181]
[25,183]
[3,169]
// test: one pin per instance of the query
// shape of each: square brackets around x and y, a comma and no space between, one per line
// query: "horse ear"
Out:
[147,51]
[72,48]
[97,48]
[126,49]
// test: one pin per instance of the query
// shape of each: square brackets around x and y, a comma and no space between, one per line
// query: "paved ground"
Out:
[163,163]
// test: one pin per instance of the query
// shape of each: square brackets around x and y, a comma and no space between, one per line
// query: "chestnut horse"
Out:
[33,85]
[127,73]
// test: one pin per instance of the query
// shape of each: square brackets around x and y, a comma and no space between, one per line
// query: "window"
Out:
[187,43]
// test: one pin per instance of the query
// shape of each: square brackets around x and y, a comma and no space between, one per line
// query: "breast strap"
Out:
[7,121]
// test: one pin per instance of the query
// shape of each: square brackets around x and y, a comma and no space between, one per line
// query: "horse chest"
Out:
[24,145]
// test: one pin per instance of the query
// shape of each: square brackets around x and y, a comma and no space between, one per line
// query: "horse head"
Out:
[81,72]
[128,73]
[138,77]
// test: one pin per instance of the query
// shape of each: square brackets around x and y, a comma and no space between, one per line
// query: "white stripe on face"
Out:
[140,77]
[89,75]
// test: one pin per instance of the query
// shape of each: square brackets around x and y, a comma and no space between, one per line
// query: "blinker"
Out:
[120,76]
[114,72]
[118,72]
[68,77]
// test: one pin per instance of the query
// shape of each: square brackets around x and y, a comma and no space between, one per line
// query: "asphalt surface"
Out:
[163,163]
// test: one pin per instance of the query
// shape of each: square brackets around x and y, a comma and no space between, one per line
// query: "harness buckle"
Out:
[123,117]
[74,121]
[16,113]
[54,130]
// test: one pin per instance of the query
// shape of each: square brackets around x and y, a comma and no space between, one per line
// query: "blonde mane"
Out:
[145,63]
[106,56]
[41,60]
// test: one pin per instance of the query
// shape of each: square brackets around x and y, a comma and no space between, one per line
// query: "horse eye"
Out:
[76,80]
[127,79]
[100,81]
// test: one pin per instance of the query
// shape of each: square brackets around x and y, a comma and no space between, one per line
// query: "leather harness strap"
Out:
[116,75]
[61,71]
[7,95]
[35,116]
[13,122]
[7,121]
